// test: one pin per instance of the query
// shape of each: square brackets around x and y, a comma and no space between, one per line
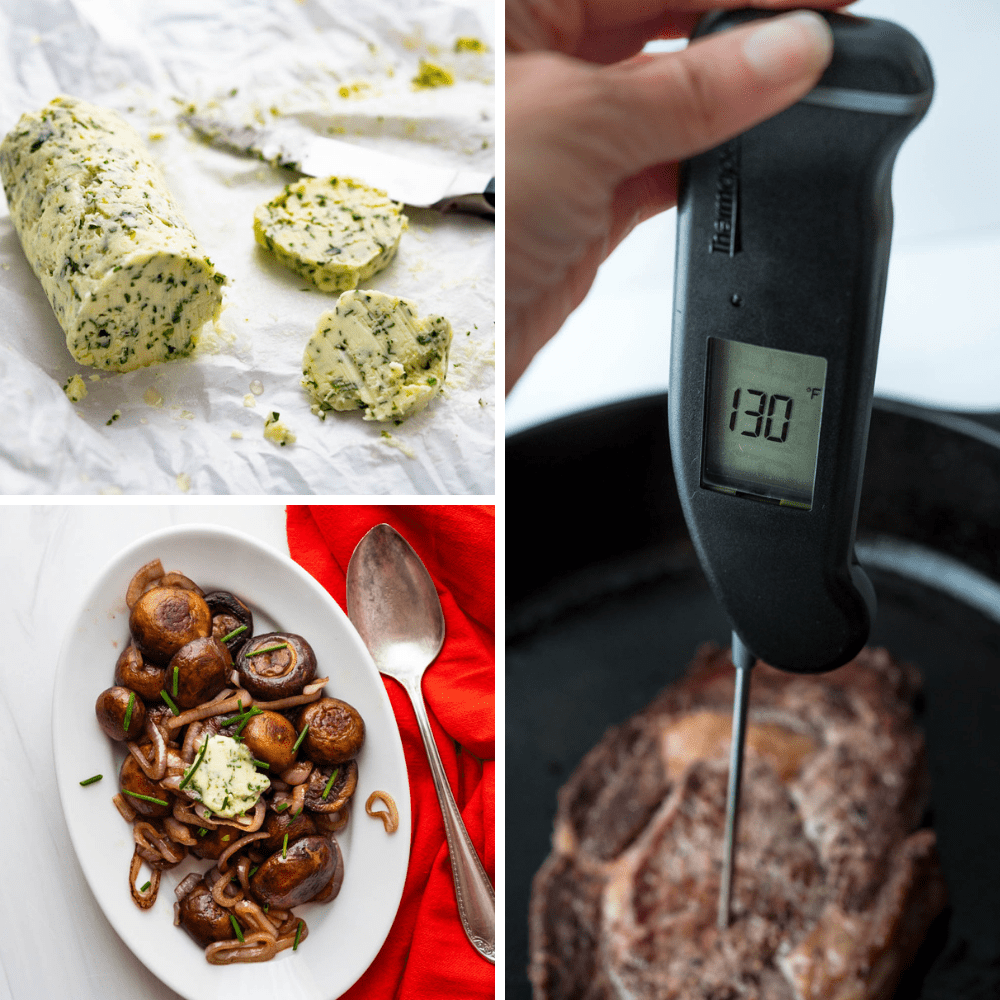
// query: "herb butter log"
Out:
[373,353]
[121,269]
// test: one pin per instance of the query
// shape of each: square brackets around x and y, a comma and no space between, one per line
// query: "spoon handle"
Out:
[473,891]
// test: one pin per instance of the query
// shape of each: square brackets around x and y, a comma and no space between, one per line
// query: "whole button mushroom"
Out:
[271,738]
[329,788]
[202,917]
[278,824]
[203,667]
[132,672]
[276,665]
[113,706]
[228,614]
[284,882]
[336,731]
[166,618]
[134,781]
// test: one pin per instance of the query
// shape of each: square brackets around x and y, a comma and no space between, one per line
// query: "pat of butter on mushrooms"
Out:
[226,780]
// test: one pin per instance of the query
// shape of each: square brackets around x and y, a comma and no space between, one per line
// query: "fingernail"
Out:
[789,47]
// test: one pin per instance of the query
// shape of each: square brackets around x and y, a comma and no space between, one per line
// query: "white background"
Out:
[941,327]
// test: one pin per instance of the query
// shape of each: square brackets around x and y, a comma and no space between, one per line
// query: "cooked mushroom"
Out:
[336,731]
[284,670]
[326,796]
[272,738]
[331,890]
[166,618]
[228,614]
[295,875]
[113,706]
[139,790]
[203,918]
[278,824]
[203,666]
[215,842]
[132,672]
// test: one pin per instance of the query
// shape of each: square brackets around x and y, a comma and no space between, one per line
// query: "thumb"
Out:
[679,104]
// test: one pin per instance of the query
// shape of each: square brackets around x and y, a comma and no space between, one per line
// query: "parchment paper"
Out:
[342,69]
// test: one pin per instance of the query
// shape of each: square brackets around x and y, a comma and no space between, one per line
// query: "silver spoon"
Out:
[393,604]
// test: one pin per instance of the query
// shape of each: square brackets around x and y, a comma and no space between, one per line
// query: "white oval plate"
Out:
[345,935]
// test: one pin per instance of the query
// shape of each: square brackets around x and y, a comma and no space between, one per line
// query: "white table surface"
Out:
[941,328]
[54,939]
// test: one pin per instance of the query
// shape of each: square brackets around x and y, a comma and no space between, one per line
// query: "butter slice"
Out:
[335,232]
[373,353]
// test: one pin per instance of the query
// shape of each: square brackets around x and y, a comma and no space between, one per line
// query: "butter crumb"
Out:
[75,389]
[431,75]
[237,435]
[183,482]
[111,491]
[95,378]
[391,441]
[152,397]
[249,401]
[256,387]
[276,431]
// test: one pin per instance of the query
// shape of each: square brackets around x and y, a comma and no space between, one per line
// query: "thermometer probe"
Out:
[783,240]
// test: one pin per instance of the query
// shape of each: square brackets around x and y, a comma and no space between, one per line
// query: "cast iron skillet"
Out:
[608,605]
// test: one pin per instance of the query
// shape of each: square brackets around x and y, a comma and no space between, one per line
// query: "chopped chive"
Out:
[145,887]
[146,798]
[170,702]
[297,813]
[128,711]
[268,649]
[262,763]
[298,931]
[177,671]
[225,839]
[252,870]
[284,847]
[329,784]
[238,929]
[90,781]
[267,906]
[253,711]
[202,831]
[279,808]
[194,766]
[302,736]
[235,631]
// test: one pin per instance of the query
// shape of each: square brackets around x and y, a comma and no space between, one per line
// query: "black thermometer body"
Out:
[782,253]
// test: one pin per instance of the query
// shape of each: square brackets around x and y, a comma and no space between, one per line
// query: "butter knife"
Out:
[411,182]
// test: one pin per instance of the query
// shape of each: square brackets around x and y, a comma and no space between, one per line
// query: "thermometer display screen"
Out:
[762,421]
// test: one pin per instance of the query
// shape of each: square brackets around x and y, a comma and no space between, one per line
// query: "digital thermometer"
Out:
[782,251]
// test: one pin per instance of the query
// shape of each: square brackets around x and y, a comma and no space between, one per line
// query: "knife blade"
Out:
[408,181]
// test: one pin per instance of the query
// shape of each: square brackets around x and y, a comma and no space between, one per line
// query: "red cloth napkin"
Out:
[427,954]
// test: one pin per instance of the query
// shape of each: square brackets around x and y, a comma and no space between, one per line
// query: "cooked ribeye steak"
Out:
[834,887]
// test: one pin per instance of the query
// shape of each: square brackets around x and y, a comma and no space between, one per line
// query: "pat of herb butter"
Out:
[122,271]
[335,232]
[373,353]
[226,780]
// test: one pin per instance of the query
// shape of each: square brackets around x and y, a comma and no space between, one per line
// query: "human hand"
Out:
[595,130]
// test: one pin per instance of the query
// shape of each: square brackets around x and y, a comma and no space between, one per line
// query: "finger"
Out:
[673,106]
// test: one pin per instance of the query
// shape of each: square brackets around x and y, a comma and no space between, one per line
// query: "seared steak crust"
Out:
[833,889]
